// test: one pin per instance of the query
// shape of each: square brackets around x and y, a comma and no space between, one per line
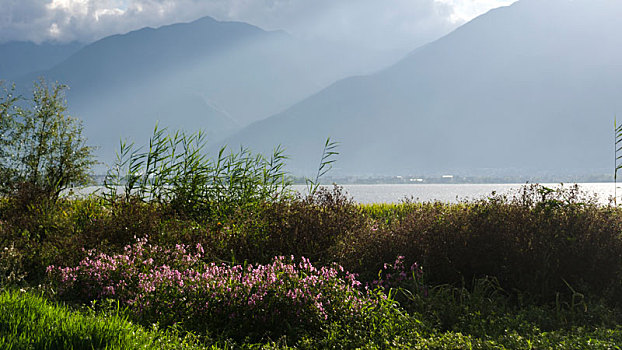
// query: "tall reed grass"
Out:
[175,170]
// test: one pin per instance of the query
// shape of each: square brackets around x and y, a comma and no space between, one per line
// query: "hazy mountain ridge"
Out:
[18,57]
[210,75]
[528,87]
[138,53]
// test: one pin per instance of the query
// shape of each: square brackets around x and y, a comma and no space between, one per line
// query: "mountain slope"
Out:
[527,88]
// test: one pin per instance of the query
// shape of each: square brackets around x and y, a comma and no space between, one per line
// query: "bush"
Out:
[314,225]
[310,226]
[539,242]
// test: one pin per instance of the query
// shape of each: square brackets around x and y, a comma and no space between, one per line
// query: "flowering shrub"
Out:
[396,275]
[171,286]
[11,267]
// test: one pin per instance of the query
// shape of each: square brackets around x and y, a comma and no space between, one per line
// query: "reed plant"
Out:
[175,170]
[326,164]
[617,156]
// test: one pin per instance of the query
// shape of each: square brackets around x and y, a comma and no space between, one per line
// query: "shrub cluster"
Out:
[536,244]
[311,226]
[168,286]
[539,243]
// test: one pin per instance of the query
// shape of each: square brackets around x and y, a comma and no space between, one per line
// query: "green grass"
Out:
[31,322]
[28,321]
[576,340]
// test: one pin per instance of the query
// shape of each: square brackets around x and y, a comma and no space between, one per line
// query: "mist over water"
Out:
[454,193]
[603,192]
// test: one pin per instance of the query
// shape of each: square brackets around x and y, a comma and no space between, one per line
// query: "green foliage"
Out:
[389,213]
[311,226]
[43,150]
[8,111]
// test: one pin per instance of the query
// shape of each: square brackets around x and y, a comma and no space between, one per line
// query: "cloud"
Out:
[374,23]
[466,10]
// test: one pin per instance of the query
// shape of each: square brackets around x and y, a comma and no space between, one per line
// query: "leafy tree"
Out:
[43,149]
[7,128]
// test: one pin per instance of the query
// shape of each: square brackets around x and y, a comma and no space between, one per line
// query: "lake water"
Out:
[453,193]
[450,193]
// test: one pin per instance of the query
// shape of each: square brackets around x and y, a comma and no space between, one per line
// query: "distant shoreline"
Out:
[456,179]
[443,179]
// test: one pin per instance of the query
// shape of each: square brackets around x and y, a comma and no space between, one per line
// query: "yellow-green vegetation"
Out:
[389,213]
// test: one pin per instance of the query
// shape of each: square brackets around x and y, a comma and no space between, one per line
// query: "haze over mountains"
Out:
[529,88]
[19,58]
[210,75]
[532,87]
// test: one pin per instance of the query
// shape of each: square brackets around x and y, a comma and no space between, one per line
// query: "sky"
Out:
[380,24]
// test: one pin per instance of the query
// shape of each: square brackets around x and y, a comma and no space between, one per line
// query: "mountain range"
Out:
[211,75]
[533,87]
[20,57]
[528,88]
